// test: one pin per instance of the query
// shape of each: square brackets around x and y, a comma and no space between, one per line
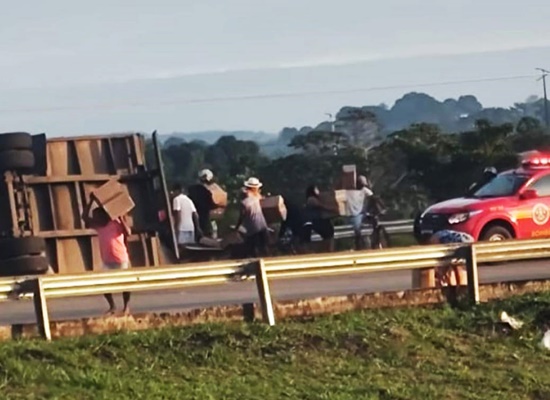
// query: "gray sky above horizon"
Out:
[117,65]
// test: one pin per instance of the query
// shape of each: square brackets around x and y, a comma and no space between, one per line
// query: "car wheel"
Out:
[496,233]
[26,265]
[16,159]
[23,246]
[15,141]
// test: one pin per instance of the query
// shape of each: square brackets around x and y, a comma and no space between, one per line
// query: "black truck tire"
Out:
[16,160]
[24,246]
[26,265]
[15,141]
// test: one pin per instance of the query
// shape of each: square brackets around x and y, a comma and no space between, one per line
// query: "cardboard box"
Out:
[107,191]
[118,206]
[114,198]
[274,209]
[348,180]
[219,196]
[335,200]
[200,193]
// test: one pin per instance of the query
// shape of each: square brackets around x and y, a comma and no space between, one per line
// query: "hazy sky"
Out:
[117,65]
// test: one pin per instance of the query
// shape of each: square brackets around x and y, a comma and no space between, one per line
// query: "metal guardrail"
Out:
[416,258]
[140,279]
[400,224]
[392,227]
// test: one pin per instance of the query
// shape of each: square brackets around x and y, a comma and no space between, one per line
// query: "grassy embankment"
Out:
[419,353]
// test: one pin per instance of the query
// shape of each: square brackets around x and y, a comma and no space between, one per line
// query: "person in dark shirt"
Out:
[202,198]
[290,232]
[316,221]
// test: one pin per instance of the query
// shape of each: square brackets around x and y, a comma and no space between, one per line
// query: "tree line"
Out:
[410,168]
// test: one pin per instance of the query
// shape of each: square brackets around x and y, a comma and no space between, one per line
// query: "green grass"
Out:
[420,353]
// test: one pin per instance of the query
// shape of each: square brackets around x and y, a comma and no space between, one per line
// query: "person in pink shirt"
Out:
[112,236]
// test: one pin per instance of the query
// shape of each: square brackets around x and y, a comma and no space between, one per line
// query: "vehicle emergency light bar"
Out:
[537,162]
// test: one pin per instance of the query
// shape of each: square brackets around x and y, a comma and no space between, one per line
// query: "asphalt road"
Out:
[21,311]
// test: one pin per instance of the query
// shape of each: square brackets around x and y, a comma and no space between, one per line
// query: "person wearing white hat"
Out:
[206,176]
[253,183]
[202,198]
[252,218]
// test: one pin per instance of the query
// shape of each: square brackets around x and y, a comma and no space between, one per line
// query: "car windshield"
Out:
[502,185]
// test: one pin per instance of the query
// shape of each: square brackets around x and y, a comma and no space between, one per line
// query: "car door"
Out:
[534,221]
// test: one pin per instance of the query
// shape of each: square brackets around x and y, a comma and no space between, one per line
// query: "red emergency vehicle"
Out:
[515,204]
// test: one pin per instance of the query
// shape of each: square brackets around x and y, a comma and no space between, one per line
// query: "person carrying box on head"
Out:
[112,235]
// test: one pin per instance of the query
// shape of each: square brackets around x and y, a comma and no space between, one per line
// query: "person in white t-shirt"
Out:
[356,208]
[185,218]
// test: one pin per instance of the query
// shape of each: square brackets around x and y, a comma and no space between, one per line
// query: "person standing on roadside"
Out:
[186,219]
[112,235]
[316,221]
[202,199]
[290,231]
[357,207]
[251,217]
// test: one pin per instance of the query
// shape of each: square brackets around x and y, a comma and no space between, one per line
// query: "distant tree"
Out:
[173,141]
[320,142]
[426,164]
[469,105]
[234,160]
[488,141]
[361,126]
[287,134]
[528,125]
[184,160]
[530,135]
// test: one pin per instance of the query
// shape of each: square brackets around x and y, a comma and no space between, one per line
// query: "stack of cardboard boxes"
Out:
[337,199]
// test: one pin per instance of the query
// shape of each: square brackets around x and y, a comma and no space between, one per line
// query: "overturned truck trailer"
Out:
[44,202]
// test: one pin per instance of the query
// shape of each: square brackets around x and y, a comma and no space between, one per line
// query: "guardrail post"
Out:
[264,293]
[423,278]
[248,312]
[473,277]
[41,310]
